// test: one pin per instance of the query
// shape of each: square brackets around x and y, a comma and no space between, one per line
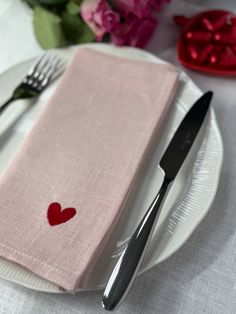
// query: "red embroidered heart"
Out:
[57,216]
[207,42]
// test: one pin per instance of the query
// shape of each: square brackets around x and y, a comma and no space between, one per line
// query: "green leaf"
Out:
[72,8]
[86,36]
[75,30]
[48,30]
[72,26]
[78,2]
[53,2]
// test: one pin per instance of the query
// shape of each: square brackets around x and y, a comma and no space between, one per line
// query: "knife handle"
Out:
[128,264]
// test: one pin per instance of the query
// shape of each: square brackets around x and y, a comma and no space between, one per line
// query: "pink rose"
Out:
[110,20]
[134,31]
[157,4]
[140,8]
[99,17]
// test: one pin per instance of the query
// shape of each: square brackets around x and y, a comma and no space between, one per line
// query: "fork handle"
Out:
[6,104]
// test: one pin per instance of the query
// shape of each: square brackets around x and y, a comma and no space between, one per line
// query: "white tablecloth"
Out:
[201,276]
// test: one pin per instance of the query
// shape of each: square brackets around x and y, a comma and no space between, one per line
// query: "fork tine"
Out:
[36,79]
[36,65]
[49,71]
[44,66]
[34,71]
[51,59]
[42,72]
[60,68]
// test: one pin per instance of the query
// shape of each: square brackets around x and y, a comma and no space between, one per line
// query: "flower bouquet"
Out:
[59,23]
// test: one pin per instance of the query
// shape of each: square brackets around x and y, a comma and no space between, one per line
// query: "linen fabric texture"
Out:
[84,151]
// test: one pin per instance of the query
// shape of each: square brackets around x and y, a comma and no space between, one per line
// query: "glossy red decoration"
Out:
[57,216]
[207,42]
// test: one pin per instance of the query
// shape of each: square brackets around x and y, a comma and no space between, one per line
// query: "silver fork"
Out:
[37,79]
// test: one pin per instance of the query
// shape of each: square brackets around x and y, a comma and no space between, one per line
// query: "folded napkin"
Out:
[65,188]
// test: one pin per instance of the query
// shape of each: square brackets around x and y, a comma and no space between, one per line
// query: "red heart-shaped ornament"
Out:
[207,42]
[57,216]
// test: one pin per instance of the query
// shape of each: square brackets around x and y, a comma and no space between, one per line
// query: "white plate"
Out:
[196,184]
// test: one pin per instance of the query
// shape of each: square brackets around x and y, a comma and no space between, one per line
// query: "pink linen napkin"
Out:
[64,190]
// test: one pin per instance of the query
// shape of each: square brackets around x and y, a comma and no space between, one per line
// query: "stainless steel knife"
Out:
[128,264]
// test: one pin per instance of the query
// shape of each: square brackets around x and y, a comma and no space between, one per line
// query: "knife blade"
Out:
[129,262]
